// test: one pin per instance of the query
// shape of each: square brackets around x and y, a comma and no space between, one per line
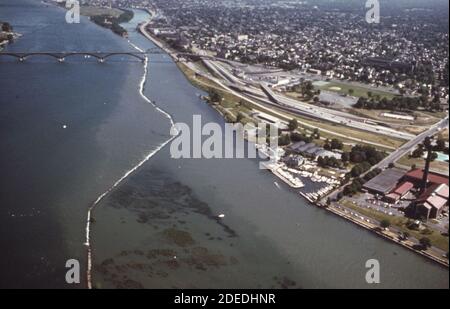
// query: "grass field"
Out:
[354,133]
[444,134]
[229,98]
[420,162]
[437,239]
[359,91]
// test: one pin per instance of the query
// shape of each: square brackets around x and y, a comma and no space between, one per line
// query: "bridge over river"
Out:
[100,56]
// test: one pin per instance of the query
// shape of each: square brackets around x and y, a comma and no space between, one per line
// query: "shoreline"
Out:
[387,235]
[90,218]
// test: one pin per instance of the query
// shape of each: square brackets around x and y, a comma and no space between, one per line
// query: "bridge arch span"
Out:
[97,55]
[123,54]
[11,55]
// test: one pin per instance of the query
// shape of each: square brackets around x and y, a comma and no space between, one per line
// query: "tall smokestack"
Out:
[426,170]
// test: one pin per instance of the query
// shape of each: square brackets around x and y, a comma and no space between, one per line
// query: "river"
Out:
[70,131]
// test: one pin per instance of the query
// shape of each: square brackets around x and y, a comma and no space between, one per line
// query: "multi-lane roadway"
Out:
[236,85]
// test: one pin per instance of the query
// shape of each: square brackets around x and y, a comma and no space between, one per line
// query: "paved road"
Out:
[255,100]
[409,146]
[306,109]
[400,152]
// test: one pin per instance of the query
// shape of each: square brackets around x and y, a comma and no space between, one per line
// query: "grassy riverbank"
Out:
[437,239]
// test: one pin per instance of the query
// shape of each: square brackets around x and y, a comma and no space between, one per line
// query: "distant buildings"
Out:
[332,41]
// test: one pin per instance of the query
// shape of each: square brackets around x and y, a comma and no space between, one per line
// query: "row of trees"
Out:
[399,103]
[299,137]
[293,125]
[363,153]
[333,144]
[364,157]
[306,89]
[358,182]
[329,162]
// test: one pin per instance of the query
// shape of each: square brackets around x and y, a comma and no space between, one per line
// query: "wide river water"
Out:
[69,131]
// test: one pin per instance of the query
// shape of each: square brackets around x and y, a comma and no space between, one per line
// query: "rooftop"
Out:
[433,178]
[404,188]
[385,181]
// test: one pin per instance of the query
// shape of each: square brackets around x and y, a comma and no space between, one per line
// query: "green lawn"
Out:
[359,91]
[441,166]
[437,239]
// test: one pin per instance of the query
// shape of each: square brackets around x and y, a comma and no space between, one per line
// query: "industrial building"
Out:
[429,199]
[385,182]
[431,203]
[398,193]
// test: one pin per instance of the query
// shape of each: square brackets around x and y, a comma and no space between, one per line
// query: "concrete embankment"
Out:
[389,235]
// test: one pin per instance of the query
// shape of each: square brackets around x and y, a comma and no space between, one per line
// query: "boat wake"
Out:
[128,173]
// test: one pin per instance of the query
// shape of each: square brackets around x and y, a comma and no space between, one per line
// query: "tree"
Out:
[214,96]
[440,145]
[240,117]
[345,157]
[297,137]
[434,156]
[6,27]
[293,125]
[425,242]
[306,89]
[284,140]
[385,223]
[336,144]
[351,91]
[418,152]
[316,134]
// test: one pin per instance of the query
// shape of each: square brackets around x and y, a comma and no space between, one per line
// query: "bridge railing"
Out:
[101,56]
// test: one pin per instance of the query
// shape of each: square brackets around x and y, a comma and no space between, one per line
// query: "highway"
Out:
[409,146]
[301,108]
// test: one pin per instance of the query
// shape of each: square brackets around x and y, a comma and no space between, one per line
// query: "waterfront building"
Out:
[431,203]
[385,182]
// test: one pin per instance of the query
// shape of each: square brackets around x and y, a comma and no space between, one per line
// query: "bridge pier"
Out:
[101,56]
